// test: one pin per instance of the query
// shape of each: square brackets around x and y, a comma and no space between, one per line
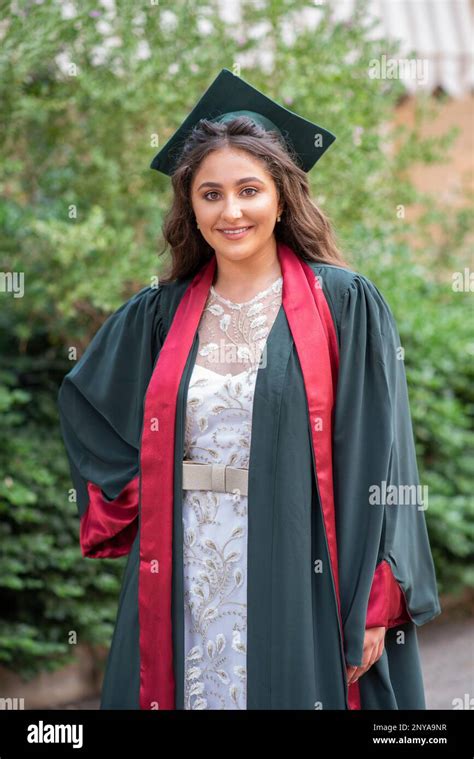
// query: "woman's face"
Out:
[232,190]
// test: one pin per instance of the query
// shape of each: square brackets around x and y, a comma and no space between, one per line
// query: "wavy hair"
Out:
[303,226]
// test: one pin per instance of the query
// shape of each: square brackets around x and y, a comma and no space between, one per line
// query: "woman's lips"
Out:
[235,235]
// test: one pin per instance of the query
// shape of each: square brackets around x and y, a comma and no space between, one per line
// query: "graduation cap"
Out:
[227,91]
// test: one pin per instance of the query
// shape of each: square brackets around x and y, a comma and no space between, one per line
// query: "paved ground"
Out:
[447,653]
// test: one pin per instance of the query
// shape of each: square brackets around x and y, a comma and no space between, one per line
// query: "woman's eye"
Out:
[214,192]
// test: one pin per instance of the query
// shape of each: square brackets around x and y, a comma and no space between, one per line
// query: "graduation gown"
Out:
[334,544]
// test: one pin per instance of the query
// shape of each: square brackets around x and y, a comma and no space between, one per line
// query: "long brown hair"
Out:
[303,226]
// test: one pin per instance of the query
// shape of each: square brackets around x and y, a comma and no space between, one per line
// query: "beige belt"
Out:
[219,477]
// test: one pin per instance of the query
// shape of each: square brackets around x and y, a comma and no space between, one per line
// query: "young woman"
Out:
[243,433]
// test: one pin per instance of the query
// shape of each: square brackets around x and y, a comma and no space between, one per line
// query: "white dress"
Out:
[232,339]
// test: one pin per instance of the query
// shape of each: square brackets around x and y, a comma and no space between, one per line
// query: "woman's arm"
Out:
[100,405]
[386,569]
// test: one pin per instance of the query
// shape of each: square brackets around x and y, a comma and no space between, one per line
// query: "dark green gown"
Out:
[296,656]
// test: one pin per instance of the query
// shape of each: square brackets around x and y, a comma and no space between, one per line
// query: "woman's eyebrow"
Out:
[237,182]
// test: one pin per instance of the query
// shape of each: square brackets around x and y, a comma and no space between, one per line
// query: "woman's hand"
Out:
[374,640]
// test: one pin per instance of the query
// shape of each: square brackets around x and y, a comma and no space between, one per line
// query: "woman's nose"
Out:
[232,210]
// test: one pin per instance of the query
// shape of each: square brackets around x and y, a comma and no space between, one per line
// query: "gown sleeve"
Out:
[100,404]
[386,570]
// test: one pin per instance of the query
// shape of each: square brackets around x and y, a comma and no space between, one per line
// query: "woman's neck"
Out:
[240,281]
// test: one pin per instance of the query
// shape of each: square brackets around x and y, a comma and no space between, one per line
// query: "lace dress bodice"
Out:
[232,335]
[232,340]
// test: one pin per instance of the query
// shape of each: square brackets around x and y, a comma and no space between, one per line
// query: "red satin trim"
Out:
[157,686]
[387,605]
[108,528]
[314,334]
[315,338]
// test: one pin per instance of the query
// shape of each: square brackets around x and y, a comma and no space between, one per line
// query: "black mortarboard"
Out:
[227,91]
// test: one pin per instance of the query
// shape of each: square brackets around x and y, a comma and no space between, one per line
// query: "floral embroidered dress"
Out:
[232,339]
